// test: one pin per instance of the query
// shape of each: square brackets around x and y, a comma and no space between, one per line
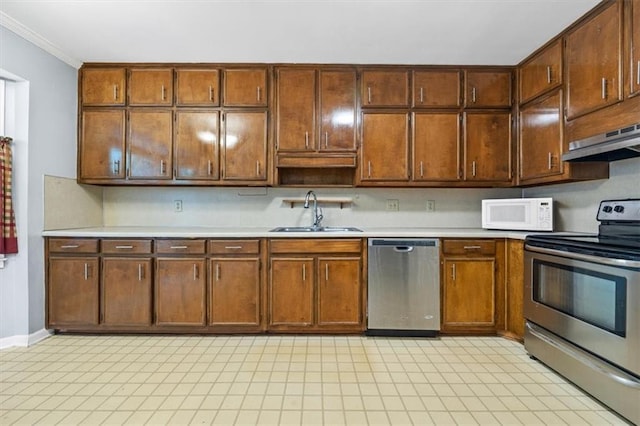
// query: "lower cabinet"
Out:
[316,285]
[469,287]
[126,291]
[180,291]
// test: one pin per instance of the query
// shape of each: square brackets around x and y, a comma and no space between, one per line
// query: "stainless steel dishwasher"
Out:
[404,287]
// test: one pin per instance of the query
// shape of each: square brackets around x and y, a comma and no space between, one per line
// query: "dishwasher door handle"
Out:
[403,249]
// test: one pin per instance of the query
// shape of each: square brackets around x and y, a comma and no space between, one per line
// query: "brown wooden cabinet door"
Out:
[150,87]
[487,146]
[245,87]
[385,147]
[196,145]
[180,291]
[468,293]
[296,110]
[245,146]
[593,63]
[103,86]
[339,291]
[436,146]
[337,110]
[234,297]
[541,137]
[126,291]
[487,89]
[633,46]
[199,87]
[385,88]
[541,73]
[150,144]
[72,291]
[291,287]
[436,89]
[102,145]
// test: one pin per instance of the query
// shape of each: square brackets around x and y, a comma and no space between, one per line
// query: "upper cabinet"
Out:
[593,62]
[245,87]
[487,88]
[103,86]
[436,89]
[197,87]
[633,46]
[385,88]
[541,73]
[150,87]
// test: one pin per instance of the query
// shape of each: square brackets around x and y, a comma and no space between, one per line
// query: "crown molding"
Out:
[11,24]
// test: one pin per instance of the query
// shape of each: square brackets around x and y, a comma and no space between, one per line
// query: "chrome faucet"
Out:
[317,212]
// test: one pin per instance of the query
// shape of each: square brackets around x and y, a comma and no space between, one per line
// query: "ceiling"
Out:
[452,32]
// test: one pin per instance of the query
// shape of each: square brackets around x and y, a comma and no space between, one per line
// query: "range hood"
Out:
[611,146]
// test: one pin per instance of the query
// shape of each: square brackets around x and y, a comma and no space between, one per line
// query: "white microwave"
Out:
[521,214]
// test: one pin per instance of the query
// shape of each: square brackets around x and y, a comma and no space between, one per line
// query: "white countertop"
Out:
[258,232]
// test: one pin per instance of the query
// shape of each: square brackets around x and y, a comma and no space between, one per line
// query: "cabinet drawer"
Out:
[234,246]
[316,246]
[73,245]
[469,247]
[180,246]
[126,246]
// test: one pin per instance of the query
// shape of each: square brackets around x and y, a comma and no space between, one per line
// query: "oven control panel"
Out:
[619,210]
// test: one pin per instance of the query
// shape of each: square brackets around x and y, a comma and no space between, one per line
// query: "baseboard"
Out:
[24,340]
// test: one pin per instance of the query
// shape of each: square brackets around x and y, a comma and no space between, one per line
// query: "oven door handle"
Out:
[625,380]
[586,257]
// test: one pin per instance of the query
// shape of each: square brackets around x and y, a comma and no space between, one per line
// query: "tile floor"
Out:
[247,380]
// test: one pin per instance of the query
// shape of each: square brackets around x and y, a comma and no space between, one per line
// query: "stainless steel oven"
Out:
[581,306]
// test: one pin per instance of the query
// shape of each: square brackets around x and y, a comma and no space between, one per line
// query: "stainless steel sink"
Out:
[313,229]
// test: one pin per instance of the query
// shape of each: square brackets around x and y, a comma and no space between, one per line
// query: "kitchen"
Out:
[222,207]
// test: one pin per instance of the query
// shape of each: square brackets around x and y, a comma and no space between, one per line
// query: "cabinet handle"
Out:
[140,272]
[259,94]
[209,168]
[326,272]
[306,140]
[124,247]
[163,167]
[604,88]
[195,272]
[211,93]
[369,94]
[162,92]
[548,74]
[421,95]
[550,159]
[326,139]
[115,92]
[70,246]
[304,272]
[453,272]
[233,247]
[257,168]
[638,74]
[178,247]
[86,271]
[116,167]
[369,168]
[473,168]
[421,169]
[217,272]
[473,95]
[472,247]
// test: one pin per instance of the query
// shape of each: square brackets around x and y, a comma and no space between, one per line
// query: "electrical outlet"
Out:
[393,205]
[431,205]
[177,206]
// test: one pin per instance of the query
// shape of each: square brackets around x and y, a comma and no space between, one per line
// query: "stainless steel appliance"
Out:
[581,305]
[404,287]
[614,145]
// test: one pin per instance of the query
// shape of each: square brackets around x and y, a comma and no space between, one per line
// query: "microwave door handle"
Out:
[585,257]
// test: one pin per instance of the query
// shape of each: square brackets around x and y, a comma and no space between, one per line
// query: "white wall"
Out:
[576,204]
[51,149]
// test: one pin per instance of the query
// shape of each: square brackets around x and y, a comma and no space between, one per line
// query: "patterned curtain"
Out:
[8,236]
